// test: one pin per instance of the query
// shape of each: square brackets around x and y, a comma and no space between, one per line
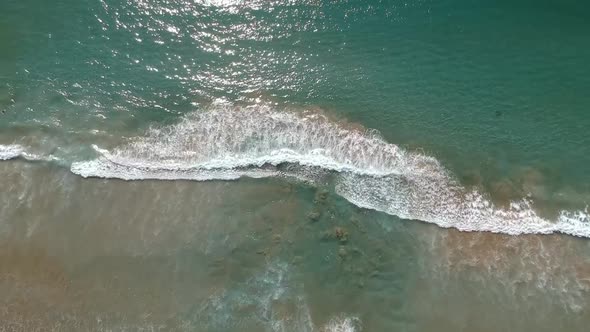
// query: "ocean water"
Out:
[294,165]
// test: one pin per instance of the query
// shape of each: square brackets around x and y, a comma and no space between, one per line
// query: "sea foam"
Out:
[11,151]
[229,142]
[14,151]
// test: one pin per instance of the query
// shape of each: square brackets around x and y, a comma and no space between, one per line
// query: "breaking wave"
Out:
[12,151]
[229,142]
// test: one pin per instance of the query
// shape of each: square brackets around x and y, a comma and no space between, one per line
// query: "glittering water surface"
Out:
[222,165]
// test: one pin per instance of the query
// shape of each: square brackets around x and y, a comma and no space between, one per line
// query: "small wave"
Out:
[343,324]
[14,151]
[230,142]
[8,152]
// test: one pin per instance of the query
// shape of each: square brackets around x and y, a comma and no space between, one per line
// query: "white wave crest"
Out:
[343,324]
[12,151]
[229,142]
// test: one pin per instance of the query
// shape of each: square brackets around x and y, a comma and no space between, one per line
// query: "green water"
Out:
[495,91]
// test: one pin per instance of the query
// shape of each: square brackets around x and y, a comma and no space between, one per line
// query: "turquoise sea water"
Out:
[392,166]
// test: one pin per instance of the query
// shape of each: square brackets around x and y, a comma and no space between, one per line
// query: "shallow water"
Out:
[115,255]
[294,165]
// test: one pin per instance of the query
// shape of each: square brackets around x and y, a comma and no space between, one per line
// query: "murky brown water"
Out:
[263,255]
